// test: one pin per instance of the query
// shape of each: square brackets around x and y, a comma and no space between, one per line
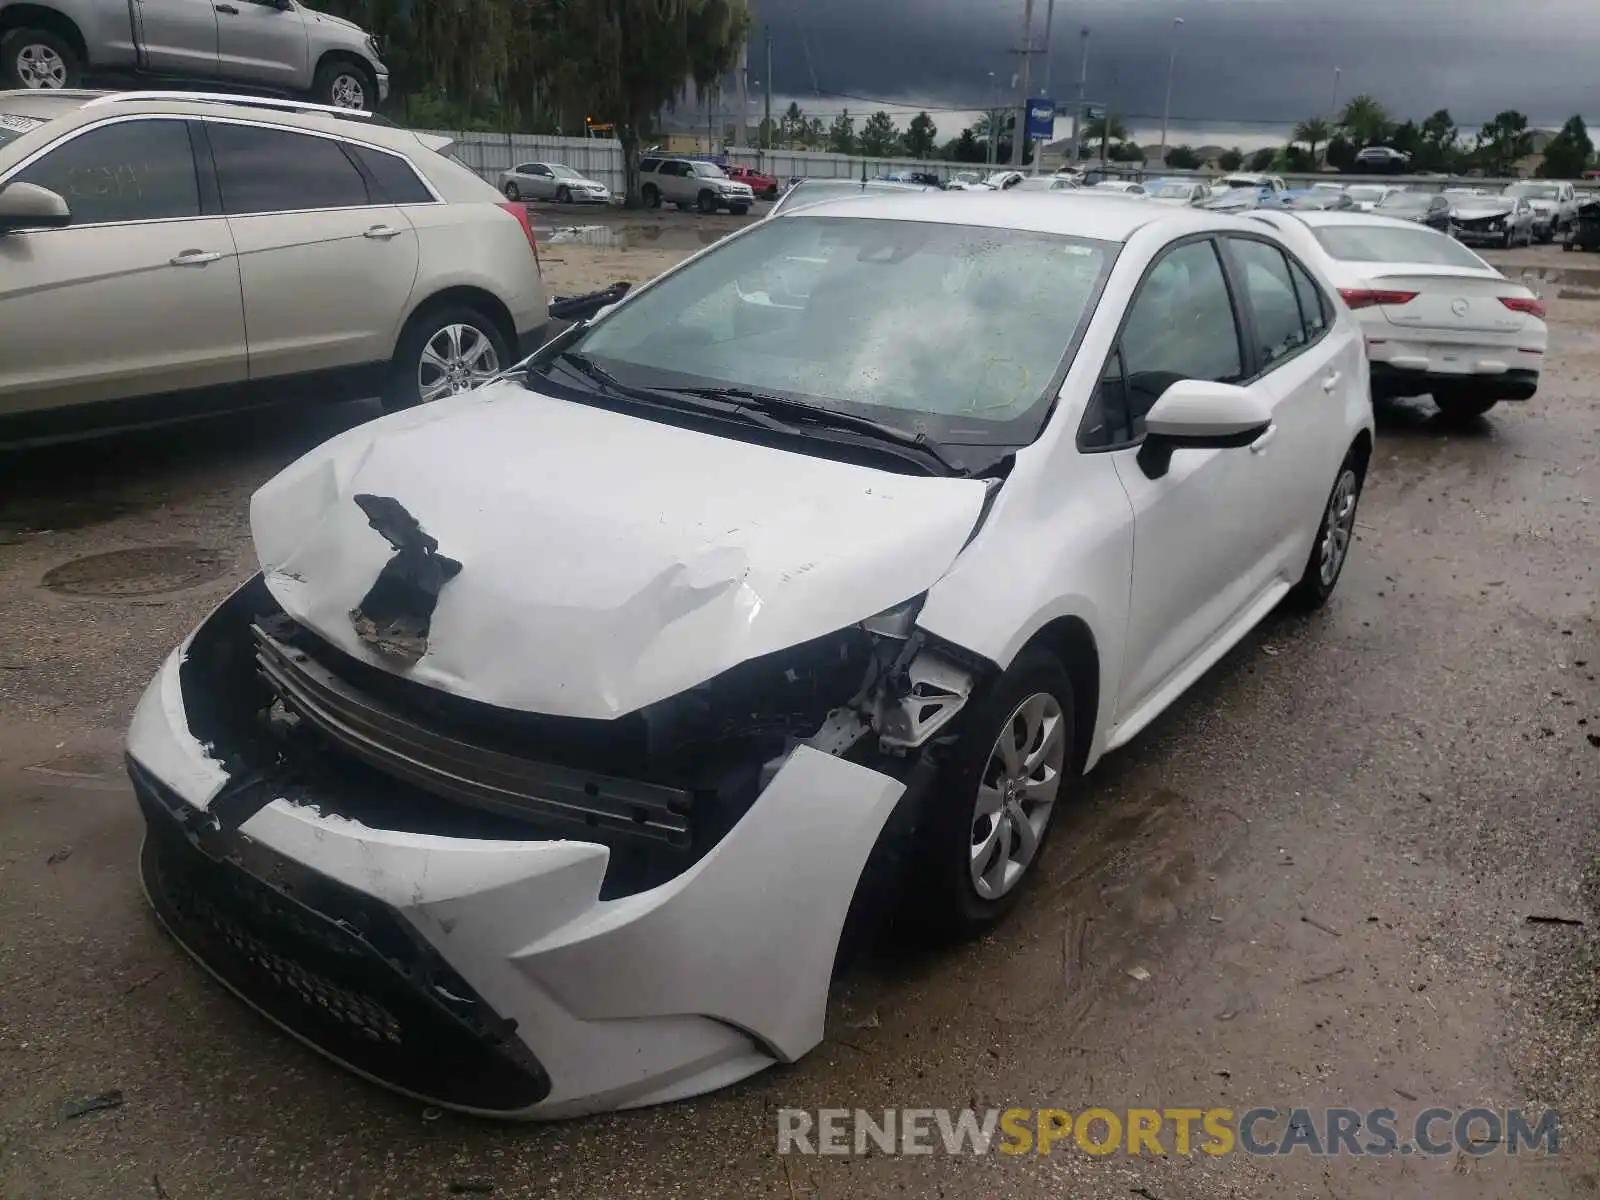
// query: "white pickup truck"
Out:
[274,45]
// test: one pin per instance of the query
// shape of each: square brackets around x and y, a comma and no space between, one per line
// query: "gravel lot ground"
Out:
[1325,857]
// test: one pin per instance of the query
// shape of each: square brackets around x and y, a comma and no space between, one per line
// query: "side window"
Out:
[127,171]
[649,164]
[1313,304]
[392,178]
[1279,330]
[539,169]
[1181,325]
[261,170]
[525,168]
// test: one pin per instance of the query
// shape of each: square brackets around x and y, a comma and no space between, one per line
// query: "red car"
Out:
[764,186]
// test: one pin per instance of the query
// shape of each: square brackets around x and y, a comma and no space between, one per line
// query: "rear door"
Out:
[1304,365]
[327,264]
[139,295]
[179,36]
[262,43]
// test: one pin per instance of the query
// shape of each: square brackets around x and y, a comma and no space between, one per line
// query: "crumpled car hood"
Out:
[607,561]
[1476,212]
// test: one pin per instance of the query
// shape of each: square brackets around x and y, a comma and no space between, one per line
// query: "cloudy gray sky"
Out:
[1246,69]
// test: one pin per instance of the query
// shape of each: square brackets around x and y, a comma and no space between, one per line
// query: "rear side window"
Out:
[127,171]
[390,178]
[1313,304]
[1278,328]
[650,164]
[261,170]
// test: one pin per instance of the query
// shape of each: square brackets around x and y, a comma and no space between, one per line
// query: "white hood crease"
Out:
[608,562]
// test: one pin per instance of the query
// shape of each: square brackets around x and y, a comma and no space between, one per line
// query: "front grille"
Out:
[507,784]
[329,964]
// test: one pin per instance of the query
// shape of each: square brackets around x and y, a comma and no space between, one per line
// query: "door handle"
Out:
[1330,381]
[381,233]
[195,258]
[1261,443]
[227,8]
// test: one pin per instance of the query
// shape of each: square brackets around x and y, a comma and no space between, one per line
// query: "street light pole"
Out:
[1333,107]
[1083,83]
[1020,133]
[1166,112]
[994,119]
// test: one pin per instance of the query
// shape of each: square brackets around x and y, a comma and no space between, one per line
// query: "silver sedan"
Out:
[552,181]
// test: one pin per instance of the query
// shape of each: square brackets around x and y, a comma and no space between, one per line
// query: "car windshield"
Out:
[14,125]
[955,331]
[1171,191]
[1360,194]
[1409,200]
[1376,243]
[1533,191]
[563,172]
[708,170]
[813,190]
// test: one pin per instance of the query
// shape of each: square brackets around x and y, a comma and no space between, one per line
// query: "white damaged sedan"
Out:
[567,721]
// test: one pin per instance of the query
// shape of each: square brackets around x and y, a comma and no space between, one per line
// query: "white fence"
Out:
[601,159]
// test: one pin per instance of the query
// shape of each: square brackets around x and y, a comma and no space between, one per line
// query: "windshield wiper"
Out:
[798,411]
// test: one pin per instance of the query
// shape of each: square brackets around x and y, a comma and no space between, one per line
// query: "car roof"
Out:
[1109,217]
[80,107]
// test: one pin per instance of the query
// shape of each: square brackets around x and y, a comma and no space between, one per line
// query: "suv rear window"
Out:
[392,178]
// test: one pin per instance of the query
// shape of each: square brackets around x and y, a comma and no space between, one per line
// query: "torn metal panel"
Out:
[396,613]
[613,561]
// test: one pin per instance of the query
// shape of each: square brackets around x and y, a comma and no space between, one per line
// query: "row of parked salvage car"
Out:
[528,830]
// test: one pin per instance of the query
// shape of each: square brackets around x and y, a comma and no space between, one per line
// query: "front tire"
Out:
[563,195]
[990,814]
[1335,532]
[651,195]
[342,84]
[444,351]
[38,59]
[706,202]
[738,210]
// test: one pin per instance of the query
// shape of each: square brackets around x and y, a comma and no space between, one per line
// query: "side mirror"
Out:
[29,206]
[1196,414]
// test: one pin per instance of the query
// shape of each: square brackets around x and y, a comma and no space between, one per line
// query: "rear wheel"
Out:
[38,59]
[513,192]
[1334,535]
[443,352]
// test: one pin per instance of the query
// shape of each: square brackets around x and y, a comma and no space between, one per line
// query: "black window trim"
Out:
[72,134]
[1246,357]
[375,190]
[1262,369]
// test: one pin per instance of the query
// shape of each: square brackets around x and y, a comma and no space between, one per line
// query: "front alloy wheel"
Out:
[1017,794]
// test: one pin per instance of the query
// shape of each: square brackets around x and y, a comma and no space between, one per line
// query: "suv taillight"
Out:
[520,212]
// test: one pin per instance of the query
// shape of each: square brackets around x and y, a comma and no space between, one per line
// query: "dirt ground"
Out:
[1310,883]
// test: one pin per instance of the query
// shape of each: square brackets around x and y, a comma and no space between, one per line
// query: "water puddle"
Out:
[1570,283]
[628,237]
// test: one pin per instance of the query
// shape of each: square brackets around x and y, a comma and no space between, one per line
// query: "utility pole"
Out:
[1049,21]
[1166,113]
[766,124]
[1019,134]
[744,94]
[994,119]
[1333,108]
[1083,83]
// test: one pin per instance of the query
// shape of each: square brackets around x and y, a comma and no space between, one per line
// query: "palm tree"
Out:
[1314,132]
[1365,121]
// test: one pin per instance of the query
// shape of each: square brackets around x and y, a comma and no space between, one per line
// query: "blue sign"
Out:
[1041,120]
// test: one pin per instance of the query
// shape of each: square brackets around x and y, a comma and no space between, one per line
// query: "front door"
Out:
[1201,542]
[179,36]
[326,270]
[262,43]
[139,295]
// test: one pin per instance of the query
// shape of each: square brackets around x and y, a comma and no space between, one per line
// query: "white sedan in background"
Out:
[1437,319]
[1178,191]
[552,181]
[530,831]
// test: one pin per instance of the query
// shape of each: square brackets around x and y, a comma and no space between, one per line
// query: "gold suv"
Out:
[165,254]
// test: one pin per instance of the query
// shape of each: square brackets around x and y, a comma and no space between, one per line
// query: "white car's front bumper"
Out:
[489,975]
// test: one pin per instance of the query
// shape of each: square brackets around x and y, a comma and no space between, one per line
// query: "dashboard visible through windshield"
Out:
[954,331]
